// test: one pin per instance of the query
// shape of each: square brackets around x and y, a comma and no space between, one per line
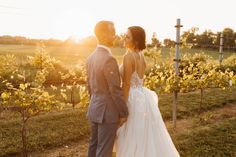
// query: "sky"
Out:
[60,19]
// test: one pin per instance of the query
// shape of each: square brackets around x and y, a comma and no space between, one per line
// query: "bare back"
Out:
[135,63]
[132,63]
[139,64]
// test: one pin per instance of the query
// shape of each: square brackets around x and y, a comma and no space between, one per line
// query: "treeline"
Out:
[19,40]
[209,39]
[190,39]
[205,40]
[89,41]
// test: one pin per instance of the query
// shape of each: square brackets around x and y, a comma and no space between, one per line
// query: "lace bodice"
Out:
[136,81]
[132,77]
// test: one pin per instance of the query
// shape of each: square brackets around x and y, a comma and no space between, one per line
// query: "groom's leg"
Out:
[93,140]
[106,139]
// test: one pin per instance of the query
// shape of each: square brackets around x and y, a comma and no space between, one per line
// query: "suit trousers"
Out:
[102,139]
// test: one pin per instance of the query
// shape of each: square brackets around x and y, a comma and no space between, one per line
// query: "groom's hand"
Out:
[122,121]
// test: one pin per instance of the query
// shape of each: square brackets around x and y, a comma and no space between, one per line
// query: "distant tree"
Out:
[169,43]
[155,43]
[194,30]
[217,40]
[19,40]
[188,38]
[235,38]
[205,40]
[229,40]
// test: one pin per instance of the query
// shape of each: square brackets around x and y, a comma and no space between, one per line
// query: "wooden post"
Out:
[221,48]
[177,60]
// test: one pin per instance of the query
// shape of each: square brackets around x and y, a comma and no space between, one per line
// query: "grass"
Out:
[61,127]
[212,134]
[188,103]
[212,140]
[44,131]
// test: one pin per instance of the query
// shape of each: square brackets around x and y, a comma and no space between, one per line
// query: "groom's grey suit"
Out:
[106,105]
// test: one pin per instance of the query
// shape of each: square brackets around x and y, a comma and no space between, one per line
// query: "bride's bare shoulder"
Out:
[128,56]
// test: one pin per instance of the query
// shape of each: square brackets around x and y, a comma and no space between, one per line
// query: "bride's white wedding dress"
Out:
[144,134]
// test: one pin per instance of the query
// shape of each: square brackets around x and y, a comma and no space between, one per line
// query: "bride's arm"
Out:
[127,72]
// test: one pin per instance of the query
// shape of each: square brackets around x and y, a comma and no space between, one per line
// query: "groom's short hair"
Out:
[102,27]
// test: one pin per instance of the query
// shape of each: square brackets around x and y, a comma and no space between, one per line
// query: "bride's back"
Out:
[133,68]
[138,63]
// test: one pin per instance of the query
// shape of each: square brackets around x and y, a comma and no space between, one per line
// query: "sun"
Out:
[74,23]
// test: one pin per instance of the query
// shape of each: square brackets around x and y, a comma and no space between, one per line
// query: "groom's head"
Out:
[105,32]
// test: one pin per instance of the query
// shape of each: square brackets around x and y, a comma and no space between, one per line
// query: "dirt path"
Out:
[80,149]
[71,150]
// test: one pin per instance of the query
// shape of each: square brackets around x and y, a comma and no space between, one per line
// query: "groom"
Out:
[107,108]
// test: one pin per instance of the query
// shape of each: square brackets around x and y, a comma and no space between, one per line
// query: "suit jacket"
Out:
[107,103]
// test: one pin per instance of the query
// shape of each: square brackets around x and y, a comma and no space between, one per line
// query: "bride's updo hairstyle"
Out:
[138,36]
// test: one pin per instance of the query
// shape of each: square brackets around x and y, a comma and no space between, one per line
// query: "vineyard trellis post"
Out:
[221,48]
[176,60]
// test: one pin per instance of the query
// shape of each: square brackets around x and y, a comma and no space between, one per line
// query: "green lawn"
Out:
[212,134]
[45,131]
[188,103]
[70,125]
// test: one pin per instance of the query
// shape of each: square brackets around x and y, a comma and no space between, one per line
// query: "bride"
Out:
[144,134]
